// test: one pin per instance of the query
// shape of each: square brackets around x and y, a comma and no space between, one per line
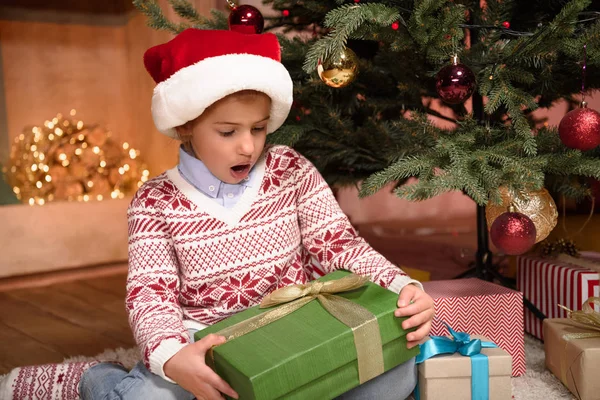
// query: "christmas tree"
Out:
[369,75]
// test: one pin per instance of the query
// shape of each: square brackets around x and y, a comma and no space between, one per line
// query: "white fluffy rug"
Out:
[537,384]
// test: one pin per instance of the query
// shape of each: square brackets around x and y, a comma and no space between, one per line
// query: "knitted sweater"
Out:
[193,261]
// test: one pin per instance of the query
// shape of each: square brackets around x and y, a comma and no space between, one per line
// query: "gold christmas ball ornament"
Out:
[64,159]
[96,136]
[340,71]
[538,205]
[77,170]
[68,191]
[113,153]
[114,177]
[98,185]
[90,156]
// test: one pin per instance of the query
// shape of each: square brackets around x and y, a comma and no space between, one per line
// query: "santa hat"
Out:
[199,67]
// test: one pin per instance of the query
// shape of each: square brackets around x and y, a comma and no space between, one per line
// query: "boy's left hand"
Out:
[414,302]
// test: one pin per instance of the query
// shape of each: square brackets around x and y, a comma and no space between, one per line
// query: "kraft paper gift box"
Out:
[308,354]
[449,376]
[547,282]
[576,361]
[481,308]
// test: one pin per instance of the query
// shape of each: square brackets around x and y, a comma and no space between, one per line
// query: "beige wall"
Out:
[90,62]
[66,55]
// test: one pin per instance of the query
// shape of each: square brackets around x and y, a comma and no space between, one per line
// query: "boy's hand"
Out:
[188,368]
[414,302]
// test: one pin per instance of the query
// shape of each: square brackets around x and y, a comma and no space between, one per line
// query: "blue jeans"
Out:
[112,381]
[107,381]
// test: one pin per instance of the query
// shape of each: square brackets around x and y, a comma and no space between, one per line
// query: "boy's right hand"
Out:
[188,368]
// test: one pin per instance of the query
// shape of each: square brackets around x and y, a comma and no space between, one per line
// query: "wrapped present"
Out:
[572,348]
[481,308]
[547,282]
[307,349]
[463,367]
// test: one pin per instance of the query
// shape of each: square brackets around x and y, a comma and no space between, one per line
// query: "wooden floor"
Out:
[47,324]
[46,318]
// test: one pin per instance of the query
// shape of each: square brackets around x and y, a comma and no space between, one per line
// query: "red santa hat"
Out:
[199,67]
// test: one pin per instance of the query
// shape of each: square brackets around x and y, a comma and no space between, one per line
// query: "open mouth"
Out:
[241,168]
[240,171]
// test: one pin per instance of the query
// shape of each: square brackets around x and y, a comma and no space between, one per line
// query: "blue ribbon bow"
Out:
[463,344]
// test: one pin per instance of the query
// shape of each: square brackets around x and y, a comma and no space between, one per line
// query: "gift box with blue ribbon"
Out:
[463,367]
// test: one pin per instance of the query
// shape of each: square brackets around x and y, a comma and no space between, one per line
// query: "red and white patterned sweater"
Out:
[193,262]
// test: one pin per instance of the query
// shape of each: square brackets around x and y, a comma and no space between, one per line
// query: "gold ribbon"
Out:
[587,318]
[363,323]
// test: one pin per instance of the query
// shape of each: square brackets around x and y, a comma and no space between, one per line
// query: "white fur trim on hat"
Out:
[186,94]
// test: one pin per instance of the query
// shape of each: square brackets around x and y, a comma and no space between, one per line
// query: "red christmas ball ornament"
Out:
[455,83]
[285,13]
[513,233]
[506,24]
[246,19]
[580,129]
[395,25]
[357,1]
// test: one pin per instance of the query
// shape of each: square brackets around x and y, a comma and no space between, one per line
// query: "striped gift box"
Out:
[481,308]
[549,282]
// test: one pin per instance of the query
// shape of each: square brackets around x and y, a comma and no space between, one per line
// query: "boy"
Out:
[232,222]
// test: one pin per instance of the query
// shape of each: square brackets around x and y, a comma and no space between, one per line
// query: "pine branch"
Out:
[430,25]
[406,168]
[343,22]
[288,134]
[219,20]
[156,18]
[184,9]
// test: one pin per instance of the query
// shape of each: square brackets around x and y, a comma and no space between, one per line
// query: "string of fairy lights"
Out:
[65,159]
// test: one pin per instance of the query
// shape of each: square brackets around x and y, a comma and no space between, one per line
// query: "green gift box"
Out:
[308,353]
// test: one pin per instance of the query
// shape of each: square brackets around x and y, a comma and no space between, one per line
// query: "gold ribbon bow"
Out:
[586,318]
[363,323]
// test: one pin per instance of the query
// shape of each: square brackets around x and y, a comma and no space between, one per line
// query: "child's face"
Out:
[229,137]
